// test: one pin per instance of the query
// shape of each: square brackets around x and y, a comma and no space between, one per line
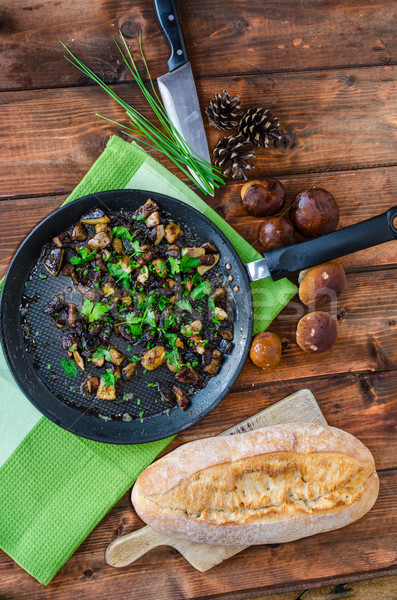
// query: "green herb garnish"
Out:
[100,352]
[117,271]
[122,232]
[184,305]
[187,263]
[94,310]
[69,367]
[165,138]
[201,290]
[85,256]
[109,378]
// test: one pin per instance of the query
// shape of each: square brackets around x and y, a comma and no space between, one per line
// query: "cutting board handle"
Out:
[128,548]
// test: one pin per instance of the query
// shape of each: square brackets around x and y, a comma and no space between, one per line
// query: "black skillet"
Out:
[31,343]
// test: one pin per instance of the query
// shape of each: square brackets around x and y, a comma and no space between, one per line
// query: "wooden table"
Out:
[327,69]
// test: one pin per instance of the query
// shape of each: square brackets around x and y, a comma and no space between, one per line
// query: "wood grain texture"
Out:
[234,38]
[354,191]
[344,119]
[382,588]
[163,573]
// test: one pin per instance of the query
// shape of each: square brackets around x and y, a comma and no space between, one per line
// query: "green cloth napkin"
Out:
[54,486]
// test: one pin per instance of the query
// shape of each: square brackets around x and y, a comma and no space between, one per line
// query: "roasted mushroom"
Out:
[153,358]
[181,397]
[53,262]
[79,233]
[62,240]
[95,215]
[146,209]
[171,232]
[91,384]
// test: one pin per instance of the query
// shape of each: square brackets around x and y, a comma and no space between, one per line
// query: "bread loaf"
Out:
[271,485]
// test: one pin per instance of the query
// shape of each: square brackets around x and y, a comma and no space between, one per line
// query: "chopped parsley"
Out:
[69,367]
[201,290]
[94,310]
[184,305]
[122,232]
[187,263]
[102,352]
[117,271]
[134,358]
[109,378]
[85,256]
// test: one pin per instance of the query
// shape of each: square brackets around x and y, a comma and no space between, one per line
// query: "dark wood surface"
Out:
[328,70]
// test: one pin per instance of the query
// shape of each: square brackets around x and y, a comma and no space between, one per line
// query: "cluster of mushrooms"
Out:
[313,213]
[146,302]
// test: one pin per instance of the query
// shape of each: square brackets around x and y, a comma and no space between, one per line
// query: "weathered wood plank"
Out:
[234,37]
[344,120]
[360,549]
[353,190]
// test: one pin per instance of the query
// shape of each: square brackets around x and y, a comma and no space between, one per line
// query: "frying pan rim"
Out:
[7,344]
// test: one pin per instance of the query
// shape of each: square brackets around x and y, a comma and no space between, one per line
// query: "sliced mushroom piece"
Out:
[219,293]
[146,209]
[146,257]
[93,216]
[129,370]
[188,375]
[98,362]
[53,262]
[174,251]
[72,313]
[69,341]
[99,241]
[225,346]
[181,397]
[55,305]
[62,240]
[90,293]
[171,283]
[107,255]
[179,344]
[226,334]
[207,262]
[143,275]
[210,248]
[91,384]
[193,252]
[189,284]
[117,245]
[172,231]
[153,219]
[67,270]
[126,300]
[160,267]
[215,363]
[220,313]
[106,392]
[116,357]
[109,287]
[103,227]
[166,393]
[192,328]
[153,358]
[79,233]
[125,264]
[79,359]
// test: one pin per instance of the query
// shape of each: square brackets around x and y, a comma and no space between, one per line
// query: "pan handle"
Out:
[284,261]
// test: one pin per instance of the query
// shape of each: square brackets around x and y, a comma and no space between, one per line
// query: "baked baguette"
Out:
[271,485]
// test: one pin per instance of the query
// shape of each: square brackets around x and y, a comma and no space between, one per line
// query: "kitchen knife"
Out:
[177,87]
[281,262]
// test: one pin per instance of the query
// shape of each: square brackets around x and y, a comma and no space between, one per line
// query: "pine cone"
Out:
[260,127]
[224,112]
[233,156]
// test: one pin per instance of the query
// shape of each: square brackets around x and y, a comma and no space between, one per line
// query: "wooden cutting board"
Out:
[301,406]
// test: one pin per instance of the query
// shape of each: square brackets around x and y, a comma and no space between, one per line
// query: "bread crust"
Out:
[294,442]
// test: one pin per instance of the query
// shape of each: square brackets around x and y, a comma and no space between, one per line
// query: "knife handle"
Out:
[168,17]
[284,261]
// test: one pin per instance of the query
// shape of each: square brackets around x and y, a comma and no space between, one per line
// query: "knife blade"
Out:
[177,87]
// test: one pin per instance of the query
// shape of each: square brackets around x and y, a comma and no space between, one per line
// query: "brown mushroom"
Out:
[319,285]
[129,370]
[53,262]
[181,397]
[153,219]
[276,232]
[314,212]
[62,240]
[316,332]
[79,233]
[171,232]
[263,198]
[91,384]
[265,350]
[153,358]
[99,241]
[147,208]
[93,216]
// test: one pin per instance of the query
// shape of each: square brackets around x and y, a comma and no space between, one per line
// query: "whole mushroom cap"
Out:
[314,212]
[276,232]
[316,332]
[263,198]
[265,350]
[319,285]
